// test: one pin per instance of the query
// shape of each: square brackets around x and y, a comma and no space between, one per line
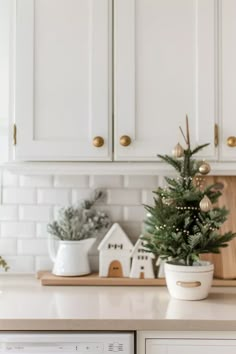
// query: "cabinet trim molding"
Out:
[107,168]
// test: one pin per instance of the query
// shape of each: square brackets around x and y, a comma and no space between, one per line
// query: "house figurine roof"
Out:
[139,245]
[116,234]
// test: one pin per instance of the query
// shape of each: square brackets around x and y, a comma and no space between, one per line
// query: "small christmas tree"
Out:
[183,223]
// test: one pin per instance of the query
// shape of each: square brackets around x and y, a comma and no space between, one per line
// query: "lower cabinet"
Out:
[187,346]
[182,343]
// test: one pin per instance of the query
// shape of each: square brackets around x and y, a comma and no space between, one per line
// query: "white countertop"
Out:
[26,305]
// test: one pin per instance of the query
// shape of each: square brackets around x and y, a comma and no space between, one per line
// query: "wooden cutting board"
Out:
[47,278]
[225,262]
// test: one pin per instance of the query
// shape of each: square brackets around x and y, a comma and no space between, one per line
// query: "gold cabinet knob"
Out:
[231,141]
[98,141]
[125,140]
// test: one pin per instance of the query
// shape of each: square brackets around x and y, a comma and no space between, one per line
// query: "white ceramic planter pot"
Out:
[70,258]
[189,282]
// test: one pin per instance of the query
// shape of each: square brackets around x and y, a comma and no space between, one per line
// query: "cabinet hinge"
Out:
[14,134]
[216,135]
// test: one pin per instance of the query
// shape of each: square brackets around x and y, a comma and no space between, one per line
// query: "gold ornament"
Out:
[204,168]
[178,151]
[205,204]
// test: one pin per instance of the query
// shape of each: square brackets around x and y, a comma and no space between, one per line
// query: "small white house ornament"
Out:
[114,253]
[142,265]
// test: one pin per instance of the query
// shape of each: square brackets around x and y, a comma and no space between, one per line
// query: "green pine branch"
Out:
[198,148]
[171,161]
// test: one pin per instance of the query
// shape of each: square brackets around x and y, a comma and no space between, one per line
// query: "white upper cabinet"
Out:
[227,101]
[150,61]
[62,80]
[164,68]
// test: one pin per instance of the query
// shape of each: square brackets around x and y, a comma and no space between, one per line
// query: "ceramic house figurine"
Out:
[114,253]
[142,265]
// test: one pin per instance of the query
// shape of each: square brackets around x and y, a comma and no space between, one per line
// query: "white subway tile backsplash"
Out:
[53,196]
[36,181]
[8,212]
[32,247]
[35,213]
[71,181]
[41,230]
[19,196]
[56,211]
[141,181]
[1,189]
[106,181]
[124,197]
[8,246]
[30,202]
[10,179]
[43,263]
[147,197]
[17,229]
[20,264]
[80,194]
[132,228]
[134,213]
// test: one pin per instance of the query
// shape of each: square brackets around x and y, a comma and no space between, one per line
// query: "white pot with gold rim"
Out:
[189,282]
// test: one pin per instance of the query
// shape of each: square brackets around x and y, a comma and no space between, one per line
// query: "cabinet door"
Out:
[62,79]
[193,346]
[164,69]
[227,13]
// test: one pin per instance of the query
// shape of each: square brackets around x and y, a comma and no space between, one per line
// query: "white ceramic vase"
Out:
[70,258]
[189,282]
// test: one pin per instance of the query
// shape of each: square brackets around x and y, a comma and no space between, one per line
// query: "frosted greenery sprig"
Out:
[80,222]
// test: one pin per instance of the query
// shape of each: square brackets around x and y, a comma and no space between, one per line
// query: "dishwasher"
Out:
[66,342]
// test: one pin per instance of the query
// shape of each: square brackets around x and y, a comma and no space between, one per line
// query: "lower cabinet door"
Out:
[190,346]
